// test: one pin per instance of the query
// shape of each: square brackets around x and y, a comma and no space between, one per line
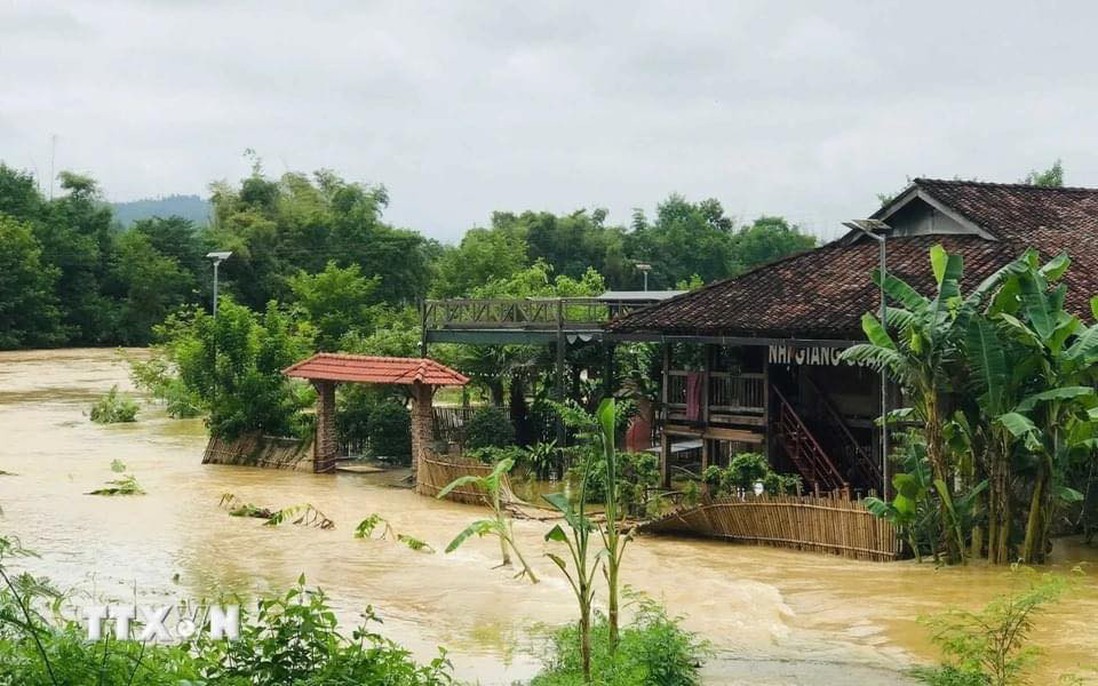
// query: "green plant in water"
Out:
[499,525]
[903,511]
[366,527]
[542,459]
[114,408]
[653,650]
[416,544]
[598,433]
[992,646]
[118,466]
[303,515]
[127,485]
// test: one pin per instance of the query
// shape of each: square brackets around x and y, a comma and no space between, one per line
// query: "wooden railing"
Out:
[812,461]
[526,313]
[729,393]
[829,525]
[735,393]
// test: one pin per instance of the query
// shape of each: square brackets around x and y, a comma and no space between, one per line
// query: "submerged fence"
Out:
[437,471]
[828,525]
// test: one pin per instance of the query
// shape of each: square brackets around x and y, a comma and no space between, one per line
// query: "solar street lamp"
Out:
[878,231]
[218,258]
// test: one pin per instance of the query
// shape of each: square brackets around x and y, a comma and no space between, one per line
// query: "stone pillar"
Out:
[422,426]
[324,444]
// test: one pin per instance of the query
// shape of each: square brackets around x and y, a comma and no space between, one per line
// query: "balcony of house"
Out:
[711,399]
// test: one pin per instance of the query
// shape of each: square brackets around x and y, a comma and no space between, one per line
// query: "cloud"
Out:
[792,108]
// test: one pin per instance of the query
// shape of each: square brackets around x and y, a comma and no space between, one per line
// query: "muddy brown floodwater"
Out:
[772,617]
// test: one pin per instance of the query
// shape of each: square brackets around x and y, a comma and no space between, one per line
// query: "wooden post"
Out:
[608,371]
[324,443]
[558,390]
[665,440]
[767,433]
[422,419]
[423,328]
[707,370]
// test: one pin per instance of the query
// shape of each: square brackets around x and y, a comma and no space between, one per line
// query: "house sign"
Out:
[816,355]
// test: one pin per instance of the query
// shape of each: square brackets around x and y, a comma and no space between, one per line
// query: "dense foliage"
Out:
[744,472]
[489,427]
[114,408]
[232,364]
[75,273]
[1001,381]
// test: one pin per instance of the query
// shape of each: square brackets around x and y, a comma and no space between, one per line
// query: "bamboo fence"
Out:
[436,472]
[260,451]
[823,524]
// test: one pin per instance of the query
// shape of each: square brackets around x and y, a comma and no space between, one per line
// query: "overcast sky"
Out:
[806,109]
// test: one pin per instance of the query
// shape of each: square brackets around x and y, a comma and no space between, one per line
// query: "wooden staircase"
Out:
[804,451]
[835,435]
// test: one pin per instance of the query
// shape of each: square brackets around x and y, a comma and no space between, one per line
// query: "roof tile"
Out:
[824,292]
[372,369]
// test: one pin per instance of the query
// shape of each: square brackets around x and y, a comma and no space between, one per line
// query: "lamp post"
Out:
[218,258]
[878,231]
[644,268]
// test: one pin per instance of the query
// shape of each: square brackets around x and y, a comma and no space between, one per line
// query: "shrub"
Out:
[156,377]
[114,408]
[992,646]
[637,473]
[390,431]
[743,472]
[489,427]
[496,455]
[654,651]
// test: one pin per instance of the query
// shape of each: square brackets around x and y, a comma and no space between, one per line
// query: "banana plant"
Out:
[1054,421]
[613,539]
[581,573]
[903,511]
[923,354]
[499,525]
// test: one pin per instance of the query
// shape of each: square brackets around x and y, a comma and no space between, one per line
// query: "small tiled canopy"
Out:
[379,370]
[326,370]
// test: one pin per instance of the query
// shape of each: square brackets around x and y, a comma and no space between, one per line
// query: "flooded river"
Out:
[773,617]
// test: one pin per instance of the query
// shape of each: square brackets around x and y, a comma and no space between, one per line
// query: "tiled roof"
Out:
[824,292]
[380,370]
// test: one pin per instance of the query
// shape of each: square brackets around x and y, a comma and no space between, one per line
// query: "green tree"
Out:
[482,257]
[19,196]
[29,314]
[685,239]
[335,300]
[76,236]
[1053,177]
[767,239]
[571,244]
[177,238]
[234,364]
[277,228]
[152,285]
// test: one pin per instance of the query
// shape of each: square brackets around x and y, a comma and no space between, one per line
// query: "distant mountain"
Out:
[187,206]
